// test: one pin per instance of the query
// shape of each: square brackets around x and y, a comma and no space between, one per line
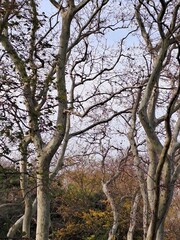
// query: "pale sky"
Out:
[113,36]
[47,7]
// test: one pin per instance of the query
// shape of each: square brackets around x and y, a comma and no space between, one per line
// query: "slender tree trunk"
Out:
[43,204]
[156,228]
[18,224]
[149,232]
[15,227]
[114,229]
[151,173]
[26,193]
[133,218]
[160,232]
[27,218]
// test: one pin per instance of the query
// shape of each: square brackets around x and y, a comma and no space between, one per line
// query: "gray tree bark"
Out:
[130,234]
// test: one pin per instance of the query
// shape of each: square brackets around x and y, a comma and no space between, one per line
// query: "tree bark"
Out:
[27,218]
[160,232]
[43,203]
[114,230]
[137,163]
[18,224]
[132,225]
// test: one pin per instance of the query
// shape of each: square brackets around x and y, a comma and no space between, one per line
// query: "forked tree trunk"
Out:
[17,225]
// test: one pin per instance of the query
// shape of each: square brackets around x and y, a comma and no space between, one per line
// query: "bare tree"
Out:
[158,110]
[62,78]
[47,62]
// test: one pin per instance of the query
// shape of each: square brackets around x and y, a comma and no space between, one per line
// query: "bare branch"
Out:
[142,27]
[99,122]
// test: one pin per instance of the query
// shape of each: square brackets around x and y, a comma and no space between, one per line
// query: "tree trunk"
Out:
[43,204]
[160,232]
[114,229]
[18,224]
[156,228]
[133,218]
[149,232]
[15,227]
[26,193]
[153,160]
[27,218]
